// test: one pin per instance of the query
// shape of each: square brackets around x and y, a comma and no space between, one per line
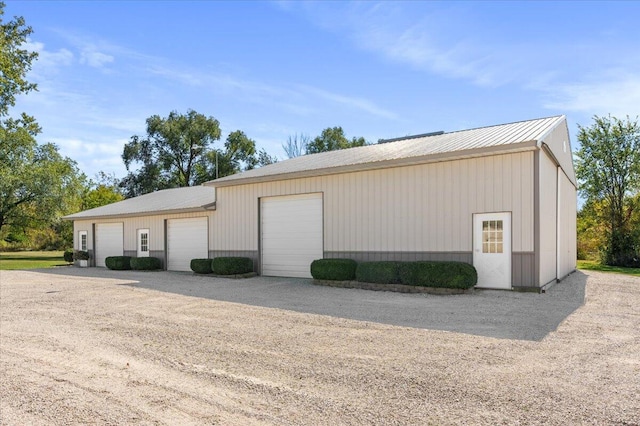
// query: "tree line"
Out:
[38,185]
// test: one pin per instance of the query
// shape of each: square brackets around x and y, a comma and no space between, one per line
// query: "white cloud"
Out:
[93,58]
[48,61]
[614,92]
[350,102]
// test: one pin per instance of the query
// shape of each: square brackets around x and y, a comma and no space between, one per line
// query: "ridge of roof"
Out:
[517,135]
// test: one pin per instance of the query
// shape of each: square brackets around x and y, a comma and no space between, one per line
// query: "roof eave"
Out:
[409,161]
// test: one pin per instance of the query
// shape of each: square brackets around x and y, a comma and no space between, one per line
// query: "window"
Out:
[144,241]
[492,236]
[82,241]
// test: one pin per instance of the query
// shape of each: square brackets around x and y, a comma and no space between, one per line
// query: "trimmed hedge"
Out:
[385,272]
[232,265]
[118,263]
[334,269]
[201,266]
[145,263]
[438,274]
[68,255]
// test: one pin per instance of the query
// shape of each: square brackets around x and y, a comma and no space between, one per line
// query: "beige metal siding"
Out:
[425,207]
[568,239]
[560,145]
[548,201]
[155,224]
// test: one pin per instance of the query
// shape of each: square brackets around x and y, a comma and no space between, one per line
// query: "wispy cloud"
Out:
[295,98]
[352,102]
[615,92]
[92,57]
[48,61]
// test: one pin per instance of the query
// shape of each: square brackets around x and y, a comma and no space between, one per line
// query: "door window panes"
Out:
[492,236]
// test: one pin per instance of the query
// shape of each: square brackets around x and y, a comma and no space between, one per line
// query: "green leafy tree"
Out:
[608,168]
[15,62]
[331,139]
[37,184]
[239,154]
[168,155]
[105,190]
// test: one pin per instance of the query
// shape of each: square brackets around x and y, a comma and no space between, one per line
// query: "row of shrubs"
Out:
[422,273]
[222,265]
[123,263]
[70,255]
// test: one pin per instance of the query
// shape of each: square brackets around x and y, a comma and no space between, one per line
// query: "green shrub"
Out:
[334,269]
[118,263]
[145,263]
[385,272]
[68,255]
[81,255]
[201,266]
[232,265]
[439,274]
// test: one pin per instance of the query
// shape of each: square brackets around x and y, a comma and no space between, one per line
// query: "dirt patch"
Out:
[78,350]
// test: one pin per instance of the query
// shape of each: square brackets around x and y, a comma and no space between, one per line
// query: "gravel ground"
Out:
[90,350]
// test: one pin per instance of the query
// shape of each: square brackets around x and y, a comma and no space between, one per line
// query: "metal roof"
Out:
[175,200]
[411,150]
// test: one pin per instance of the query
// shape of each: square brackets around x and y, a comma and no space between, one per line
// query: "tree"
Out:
[15,62]
[37,184]
[333,138]
[105,190]
[608,168]
[239,155]
[169,153]
[296,145]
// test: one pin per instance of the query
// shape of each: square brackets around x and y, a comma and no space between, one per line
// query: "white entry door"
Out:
[492,249]
[143,243]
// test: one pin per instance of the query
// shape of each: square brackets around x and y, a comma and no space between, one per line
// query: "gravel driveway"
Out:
[492,313]
[97,347]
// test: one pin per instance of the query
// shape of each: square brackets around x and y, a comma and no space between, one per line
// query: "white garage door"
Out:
[109,241]
[291,228]
[186,239]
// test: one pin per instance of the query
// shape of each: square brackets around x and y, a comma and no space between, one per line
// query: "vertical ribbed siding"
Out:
[155,224]
[548,201]
[423,208]
[567,216]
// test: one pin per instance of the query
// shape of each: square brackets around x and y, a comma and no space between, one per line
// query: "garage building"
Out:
[502,198]
[172,225]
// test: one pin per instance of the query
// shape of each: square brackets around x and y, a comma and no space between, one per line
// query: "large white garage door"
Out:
[291,228]
[186,239]
[109,241]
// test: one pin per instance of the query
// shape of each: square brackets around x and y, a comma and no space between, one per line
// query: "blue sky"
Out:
[273,69]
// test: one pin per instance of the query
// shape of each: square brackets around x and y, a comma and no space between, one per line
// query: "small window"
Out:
[82,240]
[492,236]
[144,241]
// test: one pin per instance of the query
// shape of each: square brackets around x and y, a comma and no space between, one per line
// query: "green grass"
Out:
[592,265]
[31,260]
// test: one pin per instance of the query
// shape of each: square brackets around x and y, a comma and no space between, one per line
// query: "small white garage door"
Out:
[109,241]
[291,228]
[186,239]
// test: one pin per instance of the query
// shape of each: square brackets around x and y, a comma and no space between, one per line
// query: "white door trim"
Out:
[492,249]
[143,243]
